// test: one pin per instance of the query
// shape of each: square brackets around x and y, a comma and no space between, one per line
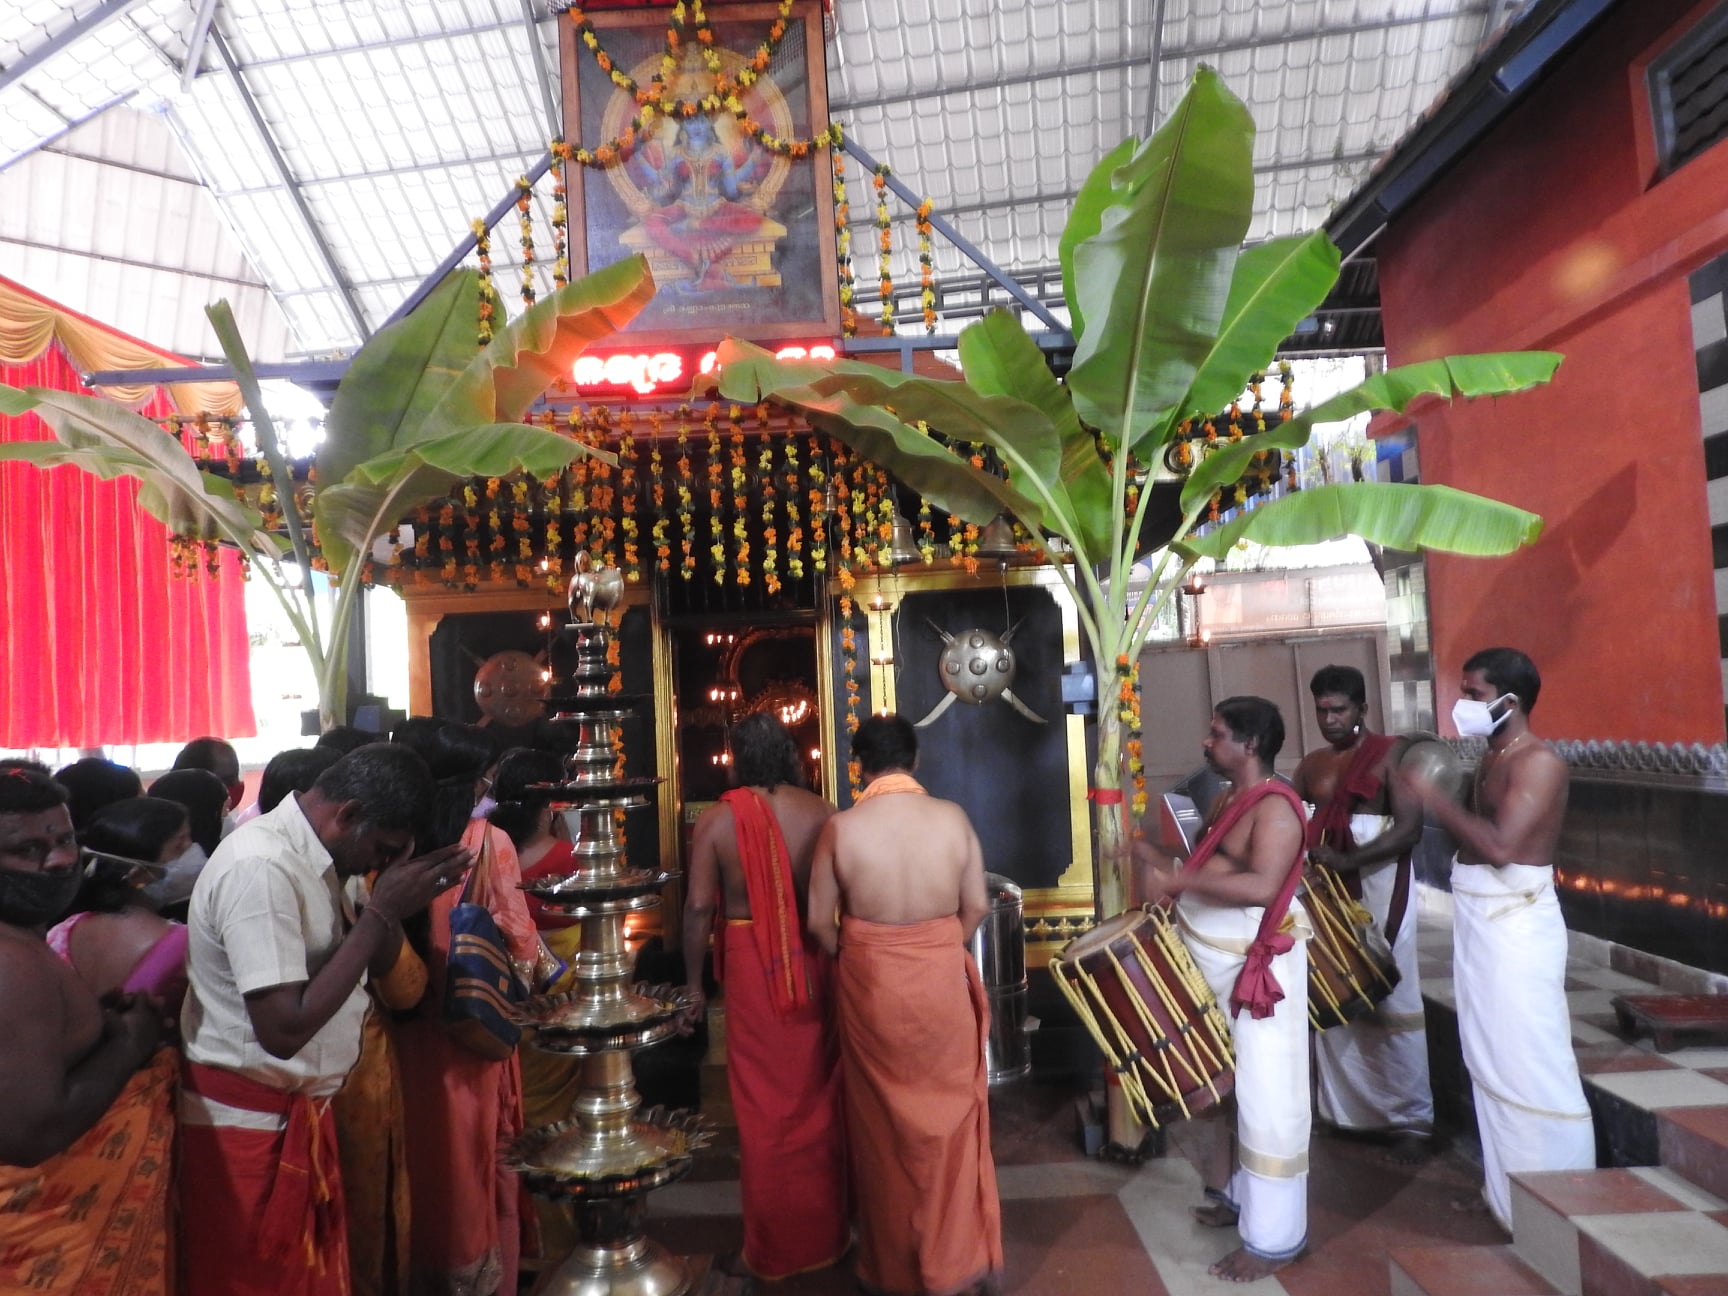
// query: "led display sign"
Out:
[665,371]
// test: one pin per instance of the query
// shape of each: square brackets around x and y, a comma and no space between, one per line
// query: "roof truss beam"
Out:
[394,42]
[513,157]
[1167,55]
[195,42]
[93,21]
[273,151]
[1069,195]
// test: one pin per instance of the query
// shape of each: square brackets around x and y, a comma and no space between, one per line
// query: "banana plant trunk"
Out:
[1110,827]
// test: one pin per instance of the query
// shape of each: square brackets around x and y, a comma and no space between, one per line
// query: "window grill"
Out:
[1689,92]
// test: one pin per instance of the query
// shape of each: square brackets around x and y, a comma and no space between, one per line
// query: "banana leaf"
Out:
[1153,281]
[525,356]
[111,441]
[354,513]
[1276,285]
[824,394]
[240,360]
[1493,374]
[1396,516]
[423,377]
[1085,218]
[1000,359]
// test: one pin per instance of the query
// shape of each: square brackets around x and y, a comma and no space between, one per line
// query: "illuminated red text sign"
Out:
[646,373]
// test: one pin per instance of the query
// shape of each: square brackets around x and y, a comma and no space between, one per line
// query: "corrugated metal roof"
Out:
[345,145]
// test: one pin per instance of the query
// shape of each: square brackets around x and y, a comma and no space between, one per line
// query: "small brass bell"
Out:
[997,539]
[902,545]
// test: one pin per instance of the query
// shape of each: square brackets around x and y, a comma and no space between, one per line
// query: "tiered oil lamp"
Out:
[608,1155]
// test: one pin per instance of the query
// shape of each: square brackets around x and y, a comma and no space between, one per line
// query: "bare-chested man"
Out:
[1229,901]
[898,889]
[1509,939]
[1371,1073]
[84,1112]
[750,861]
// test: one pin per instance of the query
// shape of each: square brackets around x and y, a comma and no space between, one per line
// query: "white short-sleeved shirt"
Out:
[268,910]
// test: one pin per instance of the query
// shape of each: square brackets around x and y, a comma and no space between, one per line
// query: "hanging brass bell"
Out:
[997,539]
[902,545]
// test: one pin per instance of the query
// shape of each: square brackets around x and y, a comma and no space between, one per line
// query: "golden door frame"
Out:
[1054,915]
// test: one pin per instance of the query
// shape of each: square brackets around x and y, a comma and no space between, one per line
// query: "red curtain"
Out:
[103,642]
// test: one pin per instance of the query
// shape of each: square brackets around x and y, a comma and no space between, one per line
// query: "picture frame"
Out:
[741,239]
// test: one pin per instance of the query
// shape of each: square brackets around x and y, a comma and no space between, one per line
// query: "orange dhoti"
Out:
[261,1210]
[913,1020]
[94,1219]
[784,1072]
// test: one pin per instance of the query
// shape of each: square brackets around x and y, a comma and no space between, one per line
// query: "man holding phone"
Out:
[1509,938]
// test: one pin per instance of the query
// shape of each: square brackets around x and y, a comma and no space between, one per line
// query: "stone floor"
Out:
[1073,1224]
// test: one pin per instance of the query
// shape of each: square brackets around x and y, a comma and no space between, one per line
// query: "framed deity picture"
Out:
[739,235]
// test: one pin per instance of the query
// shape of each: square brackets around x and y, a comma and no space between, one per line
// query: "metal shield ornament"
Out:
[977,666]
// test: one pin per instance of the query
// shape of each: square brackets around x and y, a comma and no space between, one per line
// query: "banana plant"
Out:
[419,411]
[1171,316]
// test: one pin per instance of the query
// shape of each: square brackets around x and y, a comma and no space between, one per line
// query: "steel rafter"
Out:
[274,152]
[542,73]
[392,42]
[93,21]
[195,42]
[1170,55]
[954,236]
[513,157]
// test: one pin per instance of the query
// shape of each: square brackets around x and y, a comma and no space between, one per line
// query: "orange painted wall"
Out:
[1552,235]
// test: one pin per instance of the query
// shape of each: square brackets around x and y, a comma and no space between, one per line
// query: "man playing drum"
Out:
[1372,1073]
[1235,907]
[1508,936]
[897,889]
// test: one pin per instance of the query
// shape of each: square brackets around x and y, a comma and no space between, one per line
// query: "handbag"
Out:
[480,983]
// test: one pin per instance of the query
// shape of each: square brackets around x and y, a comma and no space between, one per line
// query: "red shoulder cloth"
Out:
[1256,988]
[1330,825]
[767,873]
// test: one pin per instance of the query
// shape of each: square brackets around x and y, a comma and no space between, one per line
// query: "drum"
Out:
[1350,965]
[1139,992]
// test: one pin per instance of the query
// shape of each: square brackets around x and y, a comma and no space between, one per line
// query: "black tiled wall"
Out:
[1647,866]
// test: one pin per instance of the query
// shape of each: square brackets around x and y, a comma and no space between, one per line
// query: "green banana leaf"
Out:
[424,377]
[1153,281]
[1276,285]
[1493,374]
[240,360]
[532,351]
[353,514]
[823,393]
[1085,218]
[1000,359]
[111,441]
[1396,516]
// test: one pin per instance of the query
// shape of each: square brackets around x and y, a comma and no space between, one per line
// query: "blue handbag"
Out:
[480,983]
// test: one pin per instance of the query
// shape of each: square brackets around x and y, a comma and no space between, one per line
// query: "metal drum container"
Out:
[999,946]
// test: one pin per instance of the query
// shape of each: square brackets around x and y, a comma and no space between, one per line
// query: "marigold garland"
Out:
[926,266]
[843,241]
[488,294]
[884,248]
[656,100]
[525,217]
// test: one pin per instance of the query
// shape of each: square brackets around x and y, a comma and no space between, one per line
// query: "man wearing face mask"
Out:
[1509,939]
[85,1112]
[272,1022]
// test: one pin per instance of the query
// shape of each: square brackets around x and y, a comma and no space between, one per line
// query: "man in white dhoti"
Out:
[1371,1074]
[1509,939]
[1235,906]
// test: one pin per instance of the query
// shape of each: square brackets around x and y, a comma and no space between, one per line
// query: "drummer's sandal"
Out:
[1218,1212]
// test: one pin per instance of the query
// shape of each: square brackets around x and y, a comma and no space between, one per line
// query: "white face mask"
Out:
[179,874]
[1475,719]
